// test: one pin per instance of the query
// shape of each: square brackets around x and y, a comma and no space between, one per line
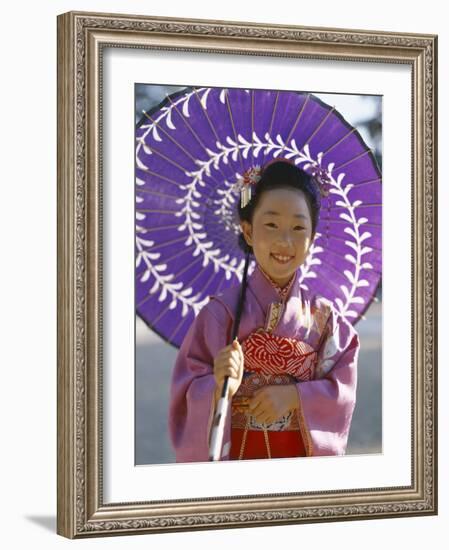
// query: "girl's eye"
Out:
[299,228]
[271,224]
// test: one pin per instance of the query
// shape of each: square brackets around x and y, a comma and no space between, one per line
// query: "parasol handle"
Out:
[216,439]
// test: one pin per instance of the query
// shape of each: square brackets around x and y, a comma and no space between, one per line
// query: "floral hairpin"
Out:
[245,183]
[322,178]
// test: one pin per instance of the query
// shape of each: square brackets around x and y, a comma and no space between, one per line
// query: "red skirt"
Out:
[283,444]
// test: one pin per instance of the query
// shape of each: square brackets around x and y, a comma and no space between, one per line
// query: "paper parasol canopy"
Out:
[190,151]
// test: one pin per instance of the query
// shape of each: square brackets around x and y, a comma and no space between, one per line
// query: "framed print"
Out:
[333,415]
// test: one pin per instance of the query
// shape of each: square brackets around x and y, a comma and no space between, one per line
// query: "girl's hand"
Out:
[228,362]
[272,402]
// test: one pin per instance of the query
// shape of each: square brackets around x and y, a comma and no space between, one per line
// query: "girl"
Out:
[292,369]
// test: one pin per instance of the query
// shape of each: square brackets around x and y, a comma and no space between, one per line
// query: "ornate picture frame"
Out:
[82,509]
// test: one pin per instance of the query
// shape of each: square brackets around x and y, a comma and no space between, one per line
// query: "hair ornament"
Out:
[322,178]
[245,183]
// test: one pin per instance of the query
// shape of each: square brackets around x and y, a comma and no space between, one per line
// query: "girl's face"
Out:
[280,233]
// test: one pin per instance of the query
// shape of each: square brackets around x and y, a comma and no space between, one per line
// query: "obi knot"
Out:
[268,354]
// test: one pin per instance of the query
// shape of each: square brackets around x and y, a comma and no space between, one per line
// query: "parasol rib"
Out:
[195,135]
[336,237]
[271,122]
[151,229]
[340,166]
[212,127]
[296,123]
[165,178]
[157,193]
[228,104]
[341,256]
[366,224]
[331,147]
[318,128]
[366,182]
[153,211]
[168,243]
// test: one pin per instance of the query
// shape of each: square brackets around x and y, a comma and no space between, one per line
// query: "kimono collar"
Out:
[266,290]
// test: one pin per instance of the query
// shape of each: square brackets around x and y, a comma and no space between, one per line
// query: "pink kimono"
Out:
[324,368]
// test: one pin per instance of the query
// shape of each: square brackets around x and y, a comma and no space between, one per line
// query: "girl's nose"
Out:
[285,239]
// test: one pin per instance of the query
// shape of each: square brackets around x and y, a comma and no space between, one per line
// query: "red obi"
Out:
[269,360]
[269,354]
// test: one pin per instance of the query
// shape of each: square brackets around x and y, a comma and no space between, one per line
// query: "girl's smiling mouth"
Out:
[281,258]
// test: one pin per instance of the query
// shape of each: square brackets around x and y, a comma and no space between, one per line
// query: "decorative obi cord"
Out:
[269,360]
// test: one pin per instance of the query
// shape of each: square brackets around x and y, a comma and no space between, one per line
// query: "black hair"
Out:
[281,174]
[277,174]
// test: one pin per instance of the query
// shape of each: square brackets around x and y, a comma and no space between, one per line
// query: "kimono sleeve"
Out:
[192,387]
[326,403]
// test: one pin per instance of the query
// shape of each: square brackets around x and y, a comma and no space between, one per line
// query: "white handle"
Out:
[216,440]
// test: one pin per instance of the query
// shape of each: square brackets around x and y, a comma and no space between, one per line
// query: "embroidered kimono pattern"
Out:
[286,339]
[269,361]
[273,360]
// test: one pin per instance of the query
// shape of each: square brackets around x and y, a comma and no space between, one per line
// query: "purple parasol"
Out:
[192,149]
